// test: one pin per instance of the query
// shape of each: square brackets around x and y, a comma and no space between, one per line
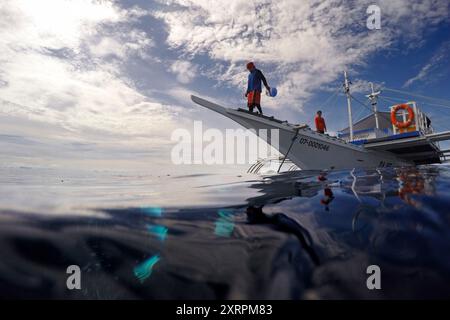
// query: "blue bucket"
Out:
[273,92]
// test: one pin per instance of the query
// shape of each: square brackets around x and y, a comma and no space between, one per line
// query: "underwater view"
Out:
[221,158]
[296,235]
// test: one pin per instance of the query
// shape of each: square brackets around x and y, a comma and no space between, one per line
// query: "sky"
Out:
[103,84]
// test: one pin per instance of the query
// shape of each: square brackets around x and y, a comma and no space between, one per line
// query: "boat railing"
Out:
[276,161]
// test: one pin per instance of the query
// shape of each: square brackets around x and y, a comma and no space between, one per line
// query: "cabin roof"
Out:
[368,122]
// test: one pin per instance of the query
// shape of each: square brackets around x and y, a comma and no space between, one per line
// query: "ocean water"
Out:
[297,235]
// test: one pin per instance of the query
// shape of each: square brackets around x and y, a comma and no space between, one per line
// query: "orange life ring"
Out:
[400,124]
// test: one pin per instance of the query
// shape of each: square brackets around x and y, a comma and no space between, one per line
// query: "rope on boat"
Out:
[367,107]
[417,95]
[292,143]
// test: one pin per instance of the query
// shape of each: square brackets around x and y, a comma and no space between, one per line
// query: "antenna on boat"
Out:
[374,101]
[349,104]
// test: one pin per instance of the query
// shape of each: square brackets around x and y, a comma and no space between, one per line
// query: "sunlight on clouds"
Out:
[63,65]
[54,24]
[70,85]
[306,44]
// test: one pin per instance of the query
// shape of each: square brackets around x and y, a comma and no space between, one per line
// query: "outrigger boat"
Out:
[379,140]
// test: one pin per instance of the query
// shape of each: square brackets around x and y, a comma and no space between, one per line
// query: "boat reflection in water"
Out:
[297,235]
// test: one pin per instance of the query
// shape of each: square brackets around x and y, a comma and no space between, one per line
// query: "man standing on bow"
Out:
[253,93]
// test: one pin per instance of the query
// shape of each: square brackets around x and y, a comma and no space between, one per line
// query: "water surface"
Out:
[298,235]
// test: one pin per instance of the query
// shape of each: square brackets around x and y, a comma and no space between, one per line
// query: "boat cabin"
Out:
[404,131]
[385,126]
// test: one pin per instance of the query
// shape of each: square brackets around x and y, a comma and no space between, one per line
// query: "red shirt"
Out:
[320,124]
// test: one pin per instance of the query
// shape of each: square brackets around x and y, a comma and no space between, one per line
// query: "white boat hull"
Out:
[310,150]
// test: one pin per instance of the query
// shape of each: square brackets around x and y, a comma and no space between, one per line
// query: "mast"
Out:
[349,104]
[374,100]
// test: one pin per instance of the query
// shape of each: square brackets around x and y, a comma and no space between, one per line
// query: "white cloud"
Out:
[63,64]
[307,44]
[437,64]
[56,67]
[185,71]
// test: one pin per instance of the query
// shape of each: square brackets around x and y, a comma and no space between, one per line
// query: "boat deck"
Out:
[414,146]
[271,118]
[303,127]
